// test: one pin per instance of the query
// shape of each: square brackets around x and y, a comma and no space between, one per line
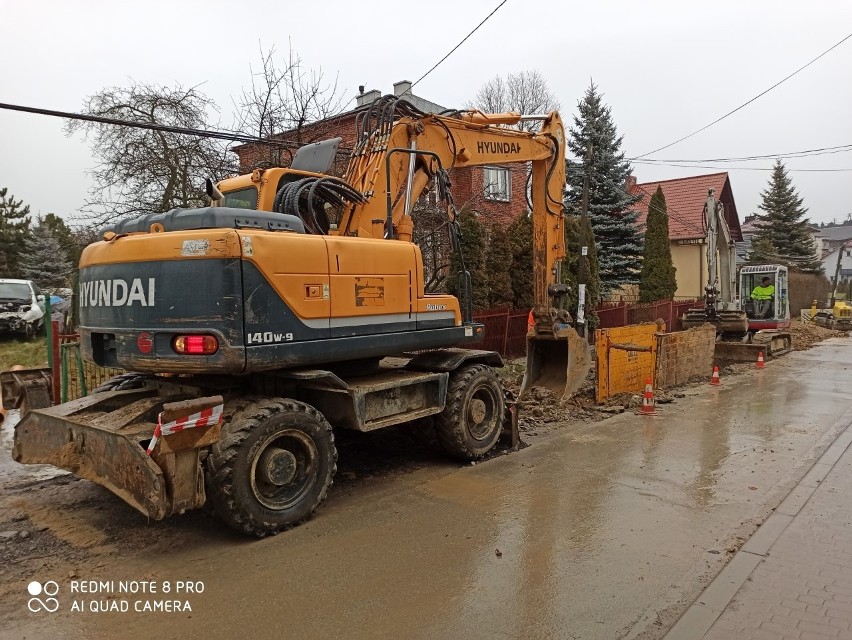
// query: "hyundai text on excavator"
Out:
[294,304]
[743,329]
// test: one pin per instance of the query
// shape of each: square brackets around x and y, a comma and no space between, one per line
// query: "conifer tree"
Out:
[762,251]
[473,243]
[613,220]
[64,236]
[521,274]
[498,265]
[44,261]
[657,279]
[784,225]
[14,228]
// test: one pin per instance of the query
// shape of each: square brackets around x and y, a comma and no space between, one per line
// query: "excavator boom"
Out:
[399,151]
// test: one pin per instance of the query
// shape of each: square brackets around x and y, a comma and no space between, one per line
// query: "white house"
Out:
[829,262]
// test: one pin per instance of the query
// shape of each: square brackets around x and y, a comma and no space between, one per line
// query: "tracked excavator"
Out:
[744,327]
[295,305]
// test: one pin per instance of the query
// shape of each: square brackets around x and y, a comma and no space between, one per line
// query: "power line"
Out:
[231,136]
[762,93]
[805,153]
[457,46]
[704,166]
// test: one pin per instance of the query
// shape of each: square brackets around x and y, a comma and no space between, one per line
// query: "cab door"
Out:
[782,303]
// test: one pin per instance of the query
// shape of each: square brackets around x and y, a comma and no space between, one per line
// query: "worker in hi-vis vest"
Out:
[762,296]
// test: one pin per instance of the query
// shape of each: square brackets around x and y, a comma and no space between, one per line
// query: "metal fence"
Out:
[506,329]
[621,314]
[77,377]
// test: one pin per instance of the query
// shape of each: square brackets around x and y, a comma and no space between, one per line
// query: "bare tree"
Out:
[286,101]
[147,171]
[526,92]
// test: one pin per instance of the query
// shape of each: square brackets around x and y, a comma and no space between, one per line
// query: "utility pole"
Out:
[583,264]
[836,280]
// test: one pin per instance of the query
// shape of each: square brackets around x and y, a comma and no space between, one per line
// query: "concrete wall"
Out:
[684,354]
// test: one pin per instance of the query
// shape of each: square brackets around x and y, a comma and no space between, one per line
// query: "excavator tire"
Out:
[123,382]
[272,467]
[472,420]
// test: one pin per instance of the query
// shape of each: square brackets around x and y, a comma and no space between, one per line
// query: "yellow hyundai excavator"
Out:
[296,303]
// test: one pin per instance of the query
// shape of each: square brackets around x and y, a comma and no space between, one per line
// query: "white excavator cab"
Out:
[772,312]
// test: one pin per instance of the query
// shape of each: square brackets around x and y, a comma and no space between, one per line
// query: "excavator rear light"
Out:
[195,345]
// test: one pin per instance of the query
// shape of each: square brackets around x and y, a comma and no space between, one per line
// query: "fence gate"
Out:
[627,356]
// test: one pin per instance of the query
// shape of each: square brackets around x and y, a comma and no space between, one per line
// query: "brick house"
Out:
[685,198]
[495,193]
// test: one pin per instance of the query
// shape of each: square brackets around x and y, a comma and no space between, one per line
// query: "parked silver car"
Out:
[21,308]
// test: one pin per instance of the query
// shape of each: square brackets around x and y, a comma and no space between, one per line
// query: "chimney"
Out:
[630,182]
[366,98]
[401,87]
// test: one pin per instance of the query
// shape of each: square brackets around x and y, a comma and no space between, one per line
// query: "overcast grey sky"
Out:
[665,67]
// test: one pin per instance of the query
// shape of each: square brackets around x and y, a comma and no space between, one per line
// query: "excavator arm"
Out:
[399,162]
[398,151]
[400,165]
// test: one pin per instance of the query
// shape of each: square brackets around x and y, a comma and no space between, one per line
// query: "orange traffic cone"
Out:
[760,364]
[648,407]
[715,379]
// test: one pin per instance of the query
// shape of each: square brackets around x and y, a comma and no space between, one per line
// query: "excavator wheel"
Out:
[471,422]
[272,467]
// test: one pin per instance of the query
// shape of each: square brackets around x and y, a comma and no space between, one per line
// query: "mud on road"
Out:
[52,524]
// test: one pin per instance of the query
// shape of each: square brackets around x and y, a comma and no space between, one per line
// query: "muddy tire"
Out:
[123,382]
[471,422]
[272,467]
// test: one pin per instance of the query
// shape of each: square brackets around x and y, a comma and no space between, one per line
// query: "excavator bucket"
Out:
[560,362]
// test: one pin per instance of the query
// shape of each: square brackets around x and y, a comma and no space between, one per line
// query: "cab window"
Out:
[242,198]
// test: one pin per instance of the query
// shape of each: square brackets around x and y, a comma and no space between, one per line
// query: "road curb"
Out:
[703,613]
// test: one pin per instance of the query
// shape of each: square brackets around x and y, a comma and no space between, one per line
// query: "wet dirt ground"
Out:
[604,529]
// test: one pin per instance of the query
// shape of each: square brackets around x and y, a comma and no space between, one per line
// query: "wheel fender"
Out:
[447,360]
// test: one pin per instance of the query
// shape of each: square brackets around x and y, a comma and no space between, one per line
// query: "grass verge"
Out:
[27,353]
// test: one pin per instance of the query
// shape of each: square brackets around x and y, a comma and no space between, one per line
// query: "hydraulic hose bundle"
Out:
[311,198]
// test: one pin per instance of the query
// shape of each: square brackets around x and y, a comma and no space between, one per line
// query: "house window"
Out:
[498,184]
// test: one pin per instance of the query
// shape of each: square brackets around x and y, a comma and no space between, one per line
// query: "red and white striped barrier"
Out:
[204,418]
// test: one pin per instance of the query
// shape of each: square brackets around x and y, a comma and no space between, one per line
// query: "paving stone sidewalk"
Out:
[793,578]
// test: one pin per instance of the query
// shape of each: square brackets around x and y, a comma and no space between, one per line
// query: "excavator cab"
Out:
[764,296]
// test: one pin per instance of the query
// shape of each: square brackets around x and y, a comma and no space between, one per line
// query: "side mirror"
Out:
[40,298]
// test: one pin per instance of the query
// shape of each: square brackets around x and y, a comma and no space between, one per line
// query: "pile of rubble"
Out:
[806,334]
[542,411]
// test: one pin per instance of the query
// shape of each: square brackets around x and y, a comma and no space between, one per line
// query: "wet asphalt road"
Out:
[605,530]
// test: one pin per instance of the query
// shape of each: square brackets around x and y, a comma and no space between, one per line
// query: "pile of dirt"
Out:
[805,334]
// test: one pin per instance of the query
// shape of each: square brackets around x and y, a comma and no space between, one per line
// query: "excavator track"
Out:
[772,343]
[777,342]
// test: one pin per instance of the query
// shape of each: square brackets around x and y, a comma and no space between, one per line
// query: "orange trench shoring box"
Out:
[626,358]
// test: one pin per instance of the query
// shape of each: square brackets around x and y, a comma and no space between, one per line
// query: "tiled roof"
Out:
[685,198]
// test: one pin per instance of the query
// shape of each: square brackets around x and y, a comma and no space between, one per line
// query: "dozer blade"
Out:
[725,321]
[102,438]
[559,362]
